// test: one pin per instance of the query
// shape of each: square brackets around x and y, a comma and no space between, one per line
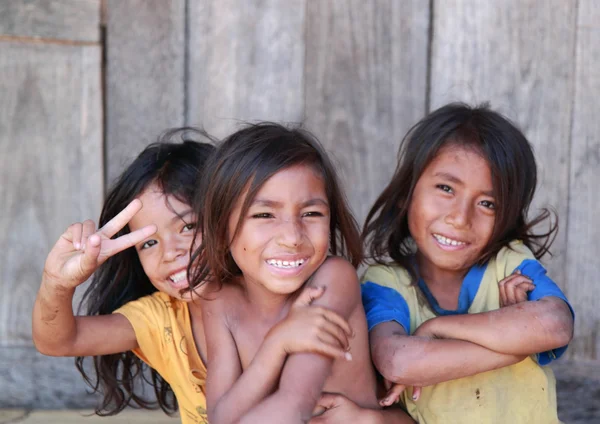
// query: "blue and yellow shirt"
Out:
[520,393]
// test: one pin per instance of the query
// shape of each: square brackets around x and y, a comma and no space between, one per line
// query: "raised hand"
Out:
[514,288]
[309,328]
[81,249]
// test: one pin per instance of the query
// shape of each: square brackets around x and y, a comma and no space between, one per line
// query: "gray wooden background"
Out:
[85,84]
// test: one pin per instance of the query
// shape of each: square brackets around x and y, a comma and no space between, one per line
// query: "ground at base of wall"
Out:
[21,416]
[578,391]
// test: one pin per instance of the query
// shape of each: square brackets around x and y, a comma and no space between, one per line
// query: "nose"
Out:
[174,247]
[459,215]
[291,233]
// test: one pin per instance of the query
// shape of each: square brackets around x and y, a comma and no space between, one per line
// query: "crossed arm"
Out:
[273,388]
[455,346]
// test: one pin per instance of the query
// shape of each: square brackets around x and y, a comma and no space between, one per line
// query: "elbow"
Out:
[558,323]
[384,354]
[50,349]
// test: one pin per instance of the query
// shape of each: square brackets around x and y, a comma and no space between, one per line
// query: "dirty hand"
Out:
[309,328]
[81,249]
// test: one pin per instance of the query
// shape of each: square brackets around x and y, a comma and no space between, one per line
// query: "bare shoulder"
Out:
[342,290]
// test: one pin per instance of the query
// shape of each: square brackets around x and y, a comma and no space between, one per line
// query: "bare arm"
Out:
[304,329]
[423,361]
[525,328]
[304,374]
[75,256]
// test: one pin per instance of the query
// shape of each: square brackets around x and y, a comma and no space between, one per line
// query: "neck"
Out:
[440,277]
[267,304]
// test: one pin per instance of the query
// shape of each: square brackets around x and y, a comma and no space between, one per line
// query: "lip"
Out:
[446,247]
[287,272]
[181,284]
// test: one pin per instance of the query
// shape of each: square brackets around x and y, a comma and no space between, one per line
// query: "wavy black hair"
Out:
[514,179]
[176,168]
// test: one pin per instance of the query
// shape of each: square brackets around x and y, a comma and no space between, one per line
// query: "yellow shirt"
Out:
[164,334]
[521,393]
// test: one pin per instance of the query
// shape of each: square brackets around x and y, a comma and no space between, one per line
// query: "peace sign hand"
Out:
[81,249]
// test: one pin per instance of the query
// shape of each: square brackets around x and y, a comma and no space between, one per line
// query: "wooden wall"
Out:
[82,93]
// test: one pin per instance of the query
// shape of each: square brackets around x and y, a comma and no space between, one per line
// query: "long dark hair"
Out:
[175,168]
[246,160]
[514,179]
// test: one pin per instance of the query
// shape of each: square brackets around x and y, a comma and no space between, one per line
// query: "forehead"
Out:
[157,207]
[462,162]
[297,183]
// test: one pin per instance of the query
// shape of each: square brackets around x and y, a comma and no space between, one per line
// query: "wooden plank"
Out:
[40,381]
[246,61]
[144,75]
[366,70]
[73,20]
[50,162]
[583,230]
[519,56]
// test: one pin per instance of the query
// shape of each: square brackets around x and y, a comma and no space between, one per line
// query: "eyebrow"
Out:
[180,216]
[274,204]
[454,179]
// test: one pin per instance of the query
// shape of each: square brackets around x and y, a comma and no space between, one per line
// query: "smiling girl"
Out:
[452,238]
[275,221]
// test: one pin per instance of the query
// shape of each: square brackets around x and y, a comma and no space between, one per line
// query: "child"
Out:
[149,208]
[273,214]
[453,221]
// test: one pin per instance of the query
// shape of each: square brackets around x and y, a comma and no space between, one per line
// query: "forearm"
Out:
[281,407]
[522,329]
[422,361]
[53,325]
[254,384]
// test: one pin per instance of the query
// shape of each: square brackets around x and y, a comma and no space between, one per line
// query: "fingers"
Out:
[336,332]
[329,346]
[416,393]
[127,240]
[113,226]
[308,295]
[89,260]
[88,228]
[513,289]
[335,318]
[74,233]
[393,395]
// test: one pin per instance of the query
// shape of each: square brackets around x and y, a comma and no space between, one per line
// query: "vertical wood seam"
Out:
[568,253]
[428,64]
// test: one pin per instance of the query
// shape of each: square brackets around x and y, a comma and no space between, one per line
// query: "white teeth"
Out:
[448,242]
[285,264]
[178,276]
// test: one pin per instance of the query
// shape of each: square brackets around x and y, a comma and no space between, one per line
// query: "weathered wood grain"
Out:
[246,62]
[583,230]
[519,56]
[30,379]
[72,20]
[50,164]
[366,70]
[145,46]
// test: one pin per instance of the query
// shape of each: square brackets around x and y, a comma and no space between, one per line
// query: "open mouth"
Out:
[445,241]
[179,279]
[278,263]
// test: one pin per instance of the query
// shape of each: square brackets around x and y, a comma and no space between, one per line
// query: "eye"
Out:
[188,227]
[312,214]
[488,204]
[444,187]
[262,215]
[148,244]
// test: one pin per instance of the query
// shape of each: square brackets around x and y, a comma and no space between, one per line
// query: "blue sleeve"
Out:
[383,304]
[544,286]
